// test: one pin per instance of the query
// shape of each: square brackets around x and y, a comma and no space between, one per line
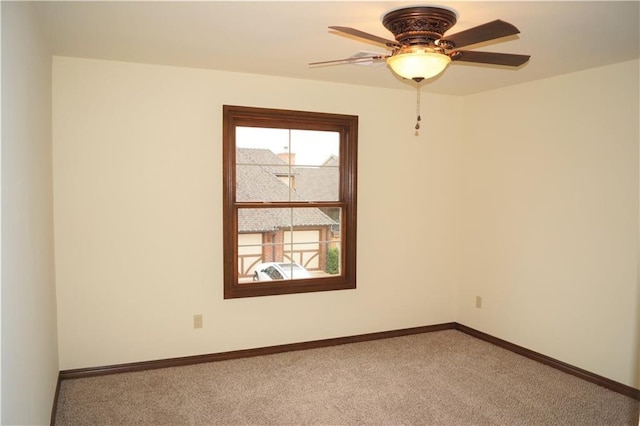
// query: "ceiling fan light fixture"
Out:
[418,64]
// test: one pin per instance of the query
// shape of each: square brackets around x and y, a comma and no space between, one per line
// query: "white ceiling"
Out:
[281,38]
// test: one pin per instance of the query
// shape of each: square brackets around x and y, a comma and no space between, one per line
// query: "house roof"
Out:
[318,183]
[257,172]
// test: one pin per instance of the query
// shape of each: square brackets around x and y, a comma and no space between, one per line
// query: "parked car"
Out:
[271,271]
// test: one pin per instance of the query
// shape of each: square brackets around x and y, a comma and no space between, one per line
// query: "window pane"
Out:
[287,165]
[304,237]
[262,183]
[315,147]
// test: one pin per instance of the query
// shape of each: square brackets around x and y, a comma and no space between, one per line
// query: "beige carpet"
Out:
[440,378]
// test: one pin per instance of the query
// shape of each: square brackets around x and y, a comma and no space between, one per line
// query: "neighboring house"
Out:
[276,235]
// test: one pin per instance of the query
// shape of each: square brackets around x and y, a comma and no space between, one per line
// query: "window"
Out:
[289,207]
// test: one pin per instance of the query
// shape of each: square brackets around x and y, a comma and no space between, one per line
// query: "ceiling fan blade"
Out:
[508,59]
[352,60]
[489,31]
[366,36]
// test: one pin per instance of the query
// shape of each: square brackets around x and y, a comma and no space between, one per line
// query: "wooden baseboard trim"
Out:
[269,350]
[245,353]
[54,408]
[551,362]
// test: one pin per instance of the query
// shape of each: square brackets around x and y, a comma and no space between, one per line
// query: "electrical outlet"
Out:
[478,302]
[197,321]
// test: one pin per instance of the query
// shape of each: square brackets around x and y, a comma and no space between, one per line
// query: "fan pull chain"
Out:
[418,119]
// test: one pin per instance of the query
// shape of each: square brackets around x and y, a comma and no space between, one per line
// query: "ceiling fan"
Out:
[421,50]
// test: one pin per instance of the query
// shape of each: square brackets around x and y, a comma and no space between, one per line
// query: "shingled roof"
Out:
[318,183]
[257,172]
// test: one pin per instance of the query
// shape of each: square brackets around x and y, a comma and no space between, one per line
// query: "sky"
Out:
[311,147]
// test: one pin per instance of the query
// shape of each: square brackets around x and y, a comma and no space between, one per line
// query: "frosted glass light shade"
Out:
[418,64]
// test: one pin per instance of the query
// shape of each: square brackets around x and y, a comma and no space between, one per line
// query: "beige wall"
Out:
[550,192]
[137,186]
[29,338]
[525,196]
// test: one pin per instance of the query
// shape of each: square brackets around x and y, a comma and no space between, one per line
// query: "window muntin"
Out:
[289,199]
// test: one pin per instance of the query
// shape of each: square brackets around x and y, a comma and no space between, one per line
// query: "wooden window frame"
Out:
[347,127]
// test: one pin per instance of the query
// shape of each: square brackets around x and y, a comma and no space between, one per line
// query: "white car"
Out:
[279,271]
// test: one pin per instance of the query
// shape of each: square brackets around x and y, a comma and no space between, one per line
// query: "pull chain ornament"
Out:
[418,119]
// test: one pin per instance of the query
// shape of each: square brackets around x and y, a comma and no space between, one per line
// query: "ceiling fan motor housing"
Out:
[419,25]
